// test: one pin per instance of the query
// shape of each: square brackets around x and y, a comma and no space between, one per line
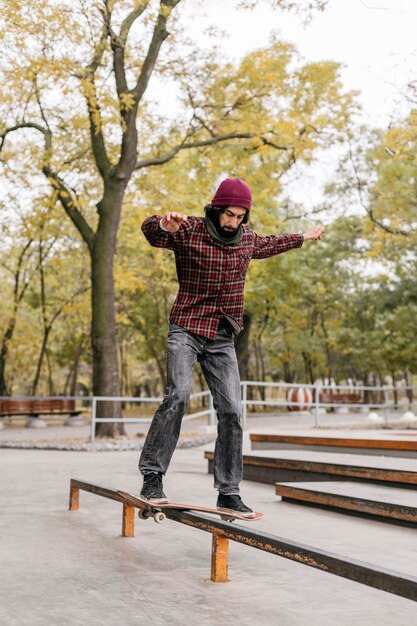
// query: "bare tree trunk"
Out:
[106,381]
[71,380]
[327,349]
[288,375]
[18,293]
[394,384]
[47,324]
[51,386]
[409,389]
[260,367]
[376,395]
[366,393]
[158,355]
[7,336]
[123,368]
[73,388]
[308,366]
[265,321]
[36,379]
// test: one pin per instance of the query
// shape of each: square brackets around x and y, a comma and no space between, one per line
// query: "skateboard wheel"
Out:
[159,517]
[144,514]
[227,519]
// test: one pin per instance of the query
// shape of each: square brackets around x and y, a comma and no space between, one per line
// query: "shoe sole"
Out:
[155,501]
[232,512]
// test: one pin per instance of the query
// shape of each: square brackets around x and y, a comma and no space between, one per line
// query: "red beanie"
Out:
[233,192]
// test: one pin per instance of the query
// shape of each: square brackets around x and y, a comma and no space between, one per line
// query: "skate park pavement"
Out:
[73,567]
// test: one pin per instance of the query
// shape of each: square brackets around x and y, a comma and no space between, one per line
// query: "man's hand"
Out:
[172,221]
[315,232]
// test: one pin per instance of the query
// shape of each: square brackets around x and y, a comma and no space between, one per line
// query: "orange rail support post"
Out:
[219,559]
[74,499]
[128,522]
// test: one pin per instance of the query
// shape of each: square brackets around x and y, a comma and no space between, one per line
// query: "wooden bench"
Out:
[350,445]
[33,407]
[330,397]
[375,501]
[271,467]
[340,398]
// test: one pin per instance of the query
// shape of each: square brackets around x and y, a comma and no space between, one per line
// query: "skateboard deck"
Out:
[149,509]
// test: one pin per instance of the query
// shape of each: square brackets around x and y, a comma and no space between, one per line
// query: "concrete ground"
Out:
[70,568]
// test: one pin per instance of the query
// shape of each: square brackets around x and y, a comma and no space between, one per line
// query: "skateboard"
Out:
[149,509]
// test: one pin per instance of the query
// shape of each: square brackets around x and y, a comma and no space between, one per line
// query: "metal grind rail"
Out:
[368,574]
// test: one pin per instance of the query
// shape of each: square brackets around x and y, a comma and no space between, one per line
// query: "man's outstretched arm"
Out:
[277,244]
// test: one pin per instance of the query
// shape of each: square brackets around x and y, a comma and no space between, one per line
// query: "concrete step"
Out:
[397,447]
[398,505]
[290,466]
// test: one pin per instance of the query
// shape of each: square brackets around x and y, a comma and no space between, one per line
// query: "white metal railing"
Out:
[145,420]
[314,404]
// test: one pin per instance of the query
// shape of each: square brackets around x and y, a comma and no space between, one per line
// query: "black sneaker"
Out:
[152,488]
[234,504]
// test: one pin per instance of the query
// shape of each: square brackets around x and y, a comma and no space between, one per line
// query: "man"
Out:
[212,256]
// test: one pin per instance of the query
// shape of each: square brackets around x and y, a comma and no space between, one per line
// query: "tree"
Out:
[18,277]
[56,280]
[77,77]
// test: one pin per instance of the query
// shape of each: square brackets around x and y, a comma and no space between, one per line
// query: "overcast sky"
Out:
[375,40]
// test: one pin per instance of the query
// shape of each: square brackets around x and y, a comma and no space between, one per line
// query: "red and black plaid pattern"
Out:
[212,276]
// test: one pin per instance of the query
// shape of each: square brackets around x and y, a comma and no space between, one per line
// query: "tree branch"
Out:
[45,131]
[38,99]
[129,100]
[267,142]
[159,35]
[66,196]
[368,209]
[100,47]
[17,292]
[70,205]
[90,95]
[70,299]
[192,144]
[118,44]
[96,131]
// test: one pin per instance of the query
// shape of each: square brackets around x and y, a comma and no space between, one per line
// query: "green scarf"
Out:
[214,234]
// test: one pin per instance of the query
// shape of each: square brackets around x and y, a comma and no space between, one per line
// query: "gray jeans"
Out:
[218,361]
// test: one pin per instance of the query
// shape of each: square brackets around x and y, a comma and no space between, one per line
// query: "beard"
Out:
[231,232]
[227,234]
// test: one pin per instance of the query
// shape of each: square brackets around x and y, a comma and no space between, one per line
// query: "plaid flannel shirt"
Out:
[212,276]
